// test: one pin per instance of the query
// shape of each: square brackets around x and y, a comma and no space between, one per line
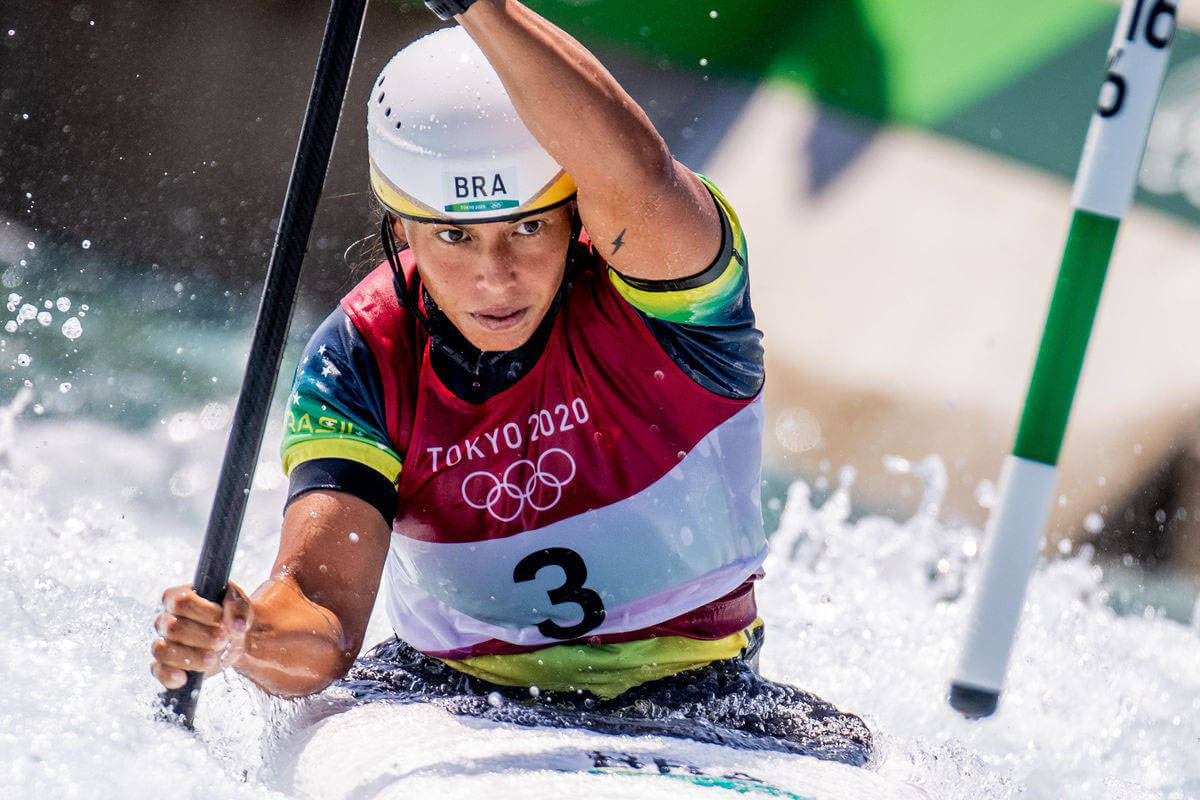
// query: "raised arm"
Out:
[650,216]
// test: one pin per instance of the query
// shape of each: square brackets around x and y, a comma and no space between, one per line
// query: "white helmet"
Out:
[446,143]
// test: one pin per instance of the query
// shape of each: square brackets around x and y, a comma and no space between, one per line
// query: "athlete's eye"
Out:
[452,235]
[530,226]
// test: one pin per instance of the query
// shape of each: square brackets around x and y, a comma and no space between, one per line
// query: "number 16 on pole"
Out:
[1103,191]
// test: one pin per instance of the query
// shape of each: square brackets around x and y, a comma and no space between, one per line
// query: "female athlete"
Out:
[538,422]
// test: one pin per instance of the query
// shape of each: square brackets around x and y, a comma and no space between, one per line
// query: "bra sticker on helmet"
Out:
[490,190]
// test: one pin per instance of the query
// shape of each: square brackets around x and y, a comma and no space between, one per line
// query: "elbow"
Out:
[649,173]
[292,683]
[658,166]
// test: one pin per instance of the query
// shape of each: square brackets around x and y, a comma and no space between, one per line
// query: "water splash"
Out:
[8,427]
[1098,705]
[72,328]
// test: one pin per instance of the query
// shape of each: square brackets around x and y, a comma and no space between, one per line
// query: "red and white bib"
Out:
[605,495]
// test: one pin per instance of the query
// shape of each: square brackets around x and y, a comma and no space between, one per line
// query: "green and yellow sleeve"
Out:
[335,434]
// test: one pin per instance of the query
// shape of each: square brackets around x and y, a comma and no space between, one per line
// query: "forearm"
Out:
[569,101]
[294,647]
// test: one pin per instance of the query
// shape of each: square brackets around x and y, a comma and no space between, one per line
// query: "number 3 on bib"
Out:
[572,591]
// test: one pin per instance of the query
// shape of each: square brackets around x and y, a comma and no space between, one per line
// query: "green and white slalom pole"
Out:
[1104,189]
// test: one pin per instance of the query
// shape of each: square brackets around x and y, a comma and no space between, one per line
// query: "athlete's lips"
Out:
[500,319]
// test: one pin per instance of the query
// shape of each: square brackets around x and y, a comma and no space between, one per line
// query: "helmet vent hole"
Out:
[380,81]
[381,94]
[388,113]
[398,124]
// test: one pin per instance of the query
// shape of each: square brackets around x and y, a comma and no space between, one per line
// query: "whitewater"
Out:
[96,519]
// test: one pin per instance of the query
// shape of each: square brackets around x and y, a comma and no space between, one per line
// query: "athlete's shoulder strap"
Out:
[390,333]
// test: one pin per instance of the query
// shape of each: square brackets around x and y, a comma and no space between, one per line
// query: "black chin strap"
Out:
[441,332]
[392,251]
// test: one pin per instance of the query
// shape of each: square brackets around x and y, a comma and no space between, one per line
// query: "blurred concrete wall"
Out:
[164,132]
[901,315]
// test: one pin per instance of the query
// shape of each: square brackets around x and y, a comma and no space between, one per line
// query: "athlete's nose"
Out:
[497,271]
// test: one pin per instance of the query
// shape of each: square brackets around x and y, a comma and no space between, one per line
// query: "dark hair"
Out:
[364,254]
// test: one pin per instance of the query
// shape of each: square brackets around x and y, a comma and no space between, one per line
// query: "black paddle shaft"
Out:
[342,31]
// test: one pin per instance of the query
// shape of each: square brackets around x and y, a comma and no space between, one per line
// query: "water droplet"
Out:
[704,62]
[322,568]
[986,494]
[72,328]
[63,304]
[86,244]
[1093,523]
[713,14]
[11,326]
[686,535]
[24,360]
[1064,546]
[798,430]
[183,427]
[495,700]
[45,318]
[214,416]
[353,537]
[30,245]
[39,409]
[658,375]
[28,311]
[64,387]
[535,691]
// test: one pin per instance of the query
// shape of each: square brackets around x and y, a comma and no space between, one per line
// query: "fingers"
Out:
[236,611]
[179,630]
[196,634]
[172,655]
[182,601]
[168,677]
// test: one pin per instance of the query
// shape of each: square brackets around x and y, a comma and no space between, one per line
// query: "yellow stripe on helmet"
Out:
[395,200]
[558,190]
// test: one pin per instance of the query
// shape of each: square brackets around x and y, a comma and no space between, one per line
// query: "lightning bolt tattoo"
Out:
[619,242]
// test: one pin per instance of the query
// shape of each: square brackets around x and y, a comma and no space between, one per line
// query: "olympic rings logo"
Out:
[540,485]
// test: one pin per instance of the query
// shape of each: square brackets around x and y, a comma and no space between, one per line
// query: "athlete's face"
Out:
[495,281]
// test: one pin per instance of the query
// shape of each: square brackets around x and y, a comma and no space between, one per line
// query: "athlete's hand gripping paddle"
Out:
[342,30]
[1103,191]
